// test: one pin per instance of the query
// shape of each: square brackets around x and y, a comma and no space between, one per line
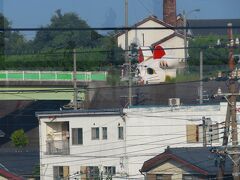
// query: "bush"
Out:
[19,138]
[170,79]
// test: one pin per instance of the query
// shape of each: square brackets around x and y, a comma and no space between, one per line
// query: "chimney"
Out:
[169,12]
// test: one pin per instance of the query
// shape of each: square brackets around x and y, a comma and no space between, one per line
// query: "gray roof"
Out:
[212,24]
[92,112]
[20,162]
[200,159]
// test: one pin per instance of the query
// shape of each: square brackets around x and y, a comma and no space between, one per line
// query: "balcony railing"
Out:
[57,147]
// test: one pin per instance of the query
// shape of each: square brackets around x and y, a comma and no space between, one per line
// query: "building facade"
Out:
[88,144]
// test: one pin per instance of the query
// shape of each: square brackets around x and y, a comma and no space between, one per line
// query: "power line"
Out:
[54,52]
[113,28]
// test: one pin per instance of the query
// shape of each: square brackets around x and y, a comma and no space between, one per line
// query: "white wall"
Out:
[151,130]
[150,35]
[92,152]
[175,42]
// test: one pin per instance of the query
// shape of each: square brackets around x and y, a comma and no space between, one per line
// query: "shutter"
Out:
[65,172]
[151,177]
[192,133]
[200,133]
[74,136]
[83,171]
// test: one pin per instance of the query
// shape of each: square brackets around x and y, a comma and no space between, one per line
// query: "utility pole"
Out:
[231,116]
[185,37]
[204,132]
[127,59]
[232,99]
[75,80]
[201,78]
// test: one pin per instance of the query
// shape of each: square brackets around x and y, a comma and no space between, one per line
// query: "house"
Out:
[185,163]
[162,34]
[115,143]
[82,144]
[151,69]
[20,162]
[5,174]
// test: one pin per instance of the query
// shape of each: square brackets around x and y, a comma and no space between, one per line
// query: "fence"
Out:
[51,76]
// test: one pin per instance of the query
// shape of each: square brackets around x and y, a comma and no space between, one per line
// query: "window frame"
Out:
[111,169]
[104,133]
[95,134]
[77,141]
[120,132]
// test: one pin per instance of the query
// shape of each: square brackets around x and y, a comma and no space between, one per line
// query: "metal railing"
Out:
[52,76]
[57,147]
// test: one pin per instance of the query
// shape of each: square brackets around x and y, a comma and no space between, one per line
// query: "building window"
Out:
[104,132]
[193,177]
[77,136]
[109,170]
[60,172]
[164,177]
[95,133]
[89,172]
[150,71]
[195,133]
[120,133]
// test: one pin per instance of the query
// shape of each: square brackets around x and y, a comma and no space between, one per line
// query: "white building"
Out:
[160,34]
[85,144]
[152,33]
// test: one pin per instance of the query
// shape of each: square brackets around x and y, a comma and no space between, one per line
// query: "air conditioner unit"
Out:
[174,102]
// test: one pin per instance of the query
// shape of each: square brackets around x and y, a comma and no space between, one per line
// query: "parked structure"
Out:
[111,143]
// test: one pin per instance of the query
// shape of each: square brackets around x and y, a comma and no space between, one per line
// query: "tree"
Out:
[10,41]
[115,55]
[19,138]
[212,55]
[60,39]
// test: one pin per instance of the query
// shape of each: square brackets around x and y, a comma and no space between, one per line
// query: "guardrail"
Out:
[57,147]
[52,76]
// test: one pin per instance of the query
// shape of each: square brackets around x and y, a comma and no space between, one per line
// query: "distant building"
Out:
[115,144]
[185,163]
[212,26]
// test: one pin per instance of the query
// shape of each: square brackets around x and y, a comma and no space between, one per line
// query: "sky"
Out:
[110,13]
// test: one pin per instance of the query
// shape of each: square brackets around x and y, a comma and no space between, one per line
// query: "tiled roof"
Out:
[199,159]
[153,18]
[6,174]
[19,162]
[167,38]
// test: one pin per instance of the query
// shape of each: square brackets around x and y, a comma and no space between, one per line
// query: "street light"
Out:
[185,32]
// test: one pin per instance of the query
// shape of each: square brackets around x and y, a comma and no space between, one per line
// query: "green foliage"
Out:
[211,56]
[170,79]
[187,77]
[66,39]
[10,41]
[113,77]
[36,171]
[52,50]
[19,138]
